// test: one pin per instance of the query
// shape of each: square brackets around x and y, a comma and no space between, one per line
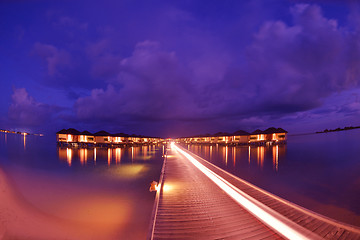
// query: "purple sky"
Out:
[177,68]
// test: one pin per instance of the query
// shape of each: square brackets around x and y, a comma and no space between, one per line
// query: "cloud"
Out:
[68,68]
[288,69]
[26,111]
[105,64]
[148,87]
[295,67]
[54,57]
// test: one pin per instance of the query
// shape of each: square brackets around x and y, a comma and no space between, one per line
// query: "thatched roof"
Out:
[240,133]
[87,133]
[71,131]
[102,133]
[275,130]
[257,131]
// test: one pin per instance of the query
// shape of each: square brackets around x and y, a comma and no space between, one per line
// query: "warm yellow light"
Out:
[117,155]
[69,156]
[82,156]
[95,155]
[109,156]
[167,187]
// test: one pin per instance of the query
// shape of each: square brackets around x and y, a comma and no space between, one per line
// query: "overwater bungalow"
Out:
[120,138]
[270,135]
[67,135]
[240,137]
[257,136]
[275,134]
[86,137]
[222,138]
[102,138]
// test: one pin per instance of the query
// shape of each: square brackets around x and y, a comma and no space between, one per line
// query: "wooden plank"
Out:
[197,209]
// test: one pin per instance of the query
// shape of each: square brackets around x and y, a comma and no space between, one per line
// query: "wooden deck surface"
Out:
[191,206]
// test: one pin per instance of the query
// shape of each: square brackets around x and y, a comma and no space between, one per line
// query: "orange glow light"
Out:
[109,156]
[68,156]
[95,155]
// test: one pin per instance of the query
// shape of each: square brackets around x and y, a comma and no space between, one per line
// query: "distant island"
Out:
[21,133]
[338,129]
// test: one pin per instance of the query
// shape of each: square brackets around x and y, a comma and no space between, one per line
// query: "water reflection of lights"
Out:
[109,156]
[83,156]
[226,155]
[260,156]
[145,150]
[24,141]
[95,156]
[132,153]
[234,155]
[238,155]
[118,155]
[275,150]
[127,171]
[69,155]
[253,206]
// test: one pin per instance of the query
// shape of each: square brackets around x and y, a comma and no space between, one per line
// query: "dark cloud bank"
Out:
[287,72]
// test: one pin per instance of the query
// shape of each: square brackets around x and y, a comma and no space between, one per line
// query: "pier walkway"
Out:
[198,200]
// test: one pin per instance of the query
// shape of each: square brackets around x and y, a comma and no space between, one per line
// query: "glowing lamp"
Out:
[153,186]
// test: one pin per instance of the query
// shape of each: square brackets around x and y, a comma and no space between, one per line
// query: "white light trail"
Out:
[238,196]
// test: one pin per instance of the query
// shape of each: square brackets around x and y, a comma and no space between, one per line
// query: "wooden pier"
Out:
[191,204]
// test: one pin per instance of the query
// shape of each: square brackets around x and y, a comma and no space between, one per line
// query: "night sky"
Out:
[177,68]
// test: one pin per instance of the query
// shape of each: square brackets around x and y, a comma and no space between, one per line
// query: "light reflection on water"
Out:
[317,171]
[75,193]
[93,156]
[241,156]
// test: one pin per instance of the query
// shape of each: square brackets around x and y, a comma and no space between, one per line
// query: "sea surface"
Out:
[103,191]
[320,172]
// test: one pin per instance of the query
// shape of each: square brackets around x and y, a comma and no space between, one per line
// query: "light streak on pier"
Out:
[206,202]
[242,199]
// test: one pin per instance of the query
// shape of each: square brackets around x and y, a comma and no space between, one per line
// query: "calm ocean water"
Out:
[104,190]
[318,171]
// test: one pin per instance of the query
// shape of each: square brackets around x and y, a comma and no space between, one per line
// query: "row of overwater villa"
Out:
[73,137]
[258,137]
